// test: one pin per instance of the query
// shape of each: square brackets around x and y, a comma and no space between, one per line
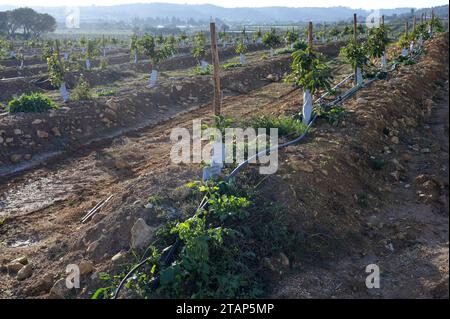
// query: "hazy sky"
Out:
[365,4]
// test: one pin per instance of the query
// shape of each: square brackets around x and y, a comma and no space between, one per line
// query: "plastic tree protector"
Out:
[64,93]
[88,64]
[203,64]
[153,78]
[135,58]
[383,63]
[404,52]
[359,78]
[242,59]
[307,106]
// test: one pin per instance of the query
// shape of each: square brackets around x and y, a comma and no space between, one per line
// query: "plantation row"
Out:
[208,254]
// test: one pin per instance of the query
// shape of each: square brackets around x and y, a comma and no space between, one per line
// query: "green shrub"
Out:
[231,65]
[106,92]
[35,102]
[83,90]
[286,125]
[198,70]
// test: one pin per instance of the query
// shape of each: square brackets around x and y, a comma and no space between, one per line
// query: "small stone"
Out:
[14,267]
[17,131]
[86,267]
[141,234]
[36,122]
[22,259]
[284,259]
[16,158]
[425,150]
[27,157]
[430,184]
[56,131]
[395,140]
[121,164]
[42,134]
[118,257]
[25,272]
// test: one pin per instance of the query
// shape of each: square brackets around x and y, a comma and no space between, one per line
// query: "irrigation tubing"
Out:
[241,166]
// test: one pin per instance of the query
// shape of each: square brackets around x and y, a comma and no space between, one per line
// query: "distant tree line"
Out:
[25,23]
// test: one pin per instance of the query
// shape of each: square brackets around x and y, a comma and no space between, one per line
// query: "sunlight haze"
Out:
[365,4]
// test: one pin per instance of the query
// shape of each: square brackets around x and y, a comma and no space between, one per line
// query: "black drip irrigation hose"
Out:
[203,203]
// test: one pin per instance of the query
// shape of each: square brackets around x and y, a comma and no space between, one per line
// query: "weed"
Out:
[35,102]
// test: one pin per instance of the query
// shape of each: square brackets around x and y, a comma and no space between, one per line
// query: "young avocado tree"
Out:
[271,40]
[20,57]
[257,37]
[198,50]
[240,49]
[91,51]
[376,45]
[334,33]
[56,71]
[290,37]
[148,45]
[309,73]
[134,48]
[356,55]
[170,46]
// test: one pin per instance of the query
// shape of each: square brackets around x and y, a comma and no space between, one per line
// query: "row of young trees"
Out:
[26,23]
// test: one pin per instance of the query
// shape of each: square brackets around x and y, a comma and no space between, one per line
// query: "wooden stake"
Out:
[310,34]
[406,28]
[355,37]
[382,20]
[216,67]
[414,23]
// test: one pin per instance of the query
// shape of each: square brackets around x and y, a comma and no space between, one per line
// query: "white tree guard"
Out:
[218,153]
[66,56]
[259,40]
[335,39]
[383,63]
[323,39]
[21,65]
[64,93]
[135,58]
[12,54]
[404,52]
[307,106]
[411,47]
[204,64]
[359,78]
[224,44]
[242,59]
[153,78]
[88,64]
[271,52]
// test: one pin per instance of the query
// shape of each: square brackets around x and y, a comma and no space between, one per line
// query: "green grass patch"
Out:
[27,103]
